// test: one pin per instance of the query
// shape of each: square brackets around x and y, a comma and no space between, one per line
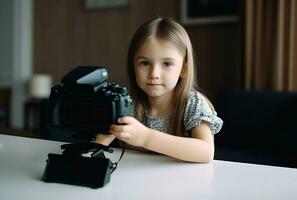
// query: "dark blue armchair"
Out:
[259,127]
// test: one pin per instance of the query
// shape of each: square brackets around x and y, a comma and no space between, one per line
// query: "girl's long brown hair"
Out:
[170,31]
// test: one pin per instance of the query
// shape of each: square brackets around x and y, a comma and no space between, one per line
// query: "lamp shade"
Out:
[40,86]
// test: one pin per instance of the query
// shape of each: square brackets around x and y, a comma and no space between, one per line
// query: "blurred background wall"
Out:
[68,35]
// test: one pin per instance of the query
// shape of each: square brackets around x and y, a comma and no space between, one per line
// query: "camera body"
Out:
[86,103]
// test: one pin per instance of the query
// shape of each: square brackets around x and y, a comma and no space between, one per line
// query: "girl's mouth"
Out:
[154,85]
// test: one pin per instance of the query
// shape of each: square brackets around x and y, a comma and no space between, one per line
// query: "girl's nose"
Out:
[154,72]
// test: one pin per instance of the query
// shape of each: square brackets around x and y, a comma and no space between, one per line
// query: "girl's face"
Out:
[158,66]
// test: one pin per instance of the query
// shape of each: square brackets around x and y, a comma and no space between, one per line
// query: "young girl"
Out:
[171,117]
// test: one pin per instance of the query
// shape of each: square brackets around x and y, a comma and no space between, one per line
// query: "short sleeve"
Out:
[198,110]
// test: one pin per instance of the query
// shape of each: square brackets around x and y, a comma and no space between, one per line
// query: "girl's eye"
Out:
[143,63]
[167,64]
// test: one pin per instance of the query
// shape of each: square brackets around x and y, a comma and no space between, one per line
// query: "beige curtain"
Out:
[270,57]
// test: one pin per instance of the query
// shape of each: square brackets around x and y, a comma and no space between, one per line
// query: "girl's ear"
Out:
[183,71]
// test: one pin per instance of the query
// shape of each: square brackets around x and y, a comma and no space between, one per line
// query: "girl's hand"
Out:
[131,131]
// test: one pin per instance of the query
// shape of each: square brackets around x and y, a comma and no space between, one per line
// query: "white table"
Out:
[140,176]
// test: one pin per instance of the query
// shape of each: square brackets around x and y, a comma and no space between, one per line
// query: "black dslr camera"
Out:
[84,102]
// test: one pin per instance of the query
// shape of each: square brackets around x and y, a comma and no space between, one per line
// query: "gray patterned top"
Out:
[197,110]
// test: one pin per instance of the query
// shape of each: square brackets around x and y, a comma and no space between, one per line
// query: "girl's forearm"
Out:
[104,139]
[186,149]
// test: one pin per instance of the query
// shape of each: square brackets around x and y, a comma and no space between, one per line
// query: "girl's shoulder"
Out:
[198,102]
[195,98]
[199,108]
[194,94]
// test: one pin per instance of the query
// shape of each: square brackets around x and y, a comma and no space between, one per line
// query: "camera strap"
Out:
[116,163]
